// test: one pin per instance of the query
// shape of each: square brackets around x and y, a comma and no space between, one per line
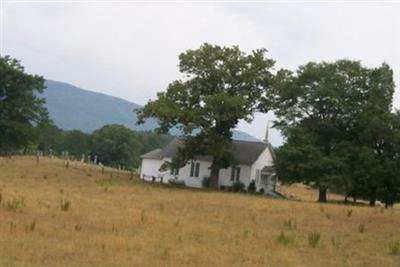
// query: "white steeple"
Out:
[266,133]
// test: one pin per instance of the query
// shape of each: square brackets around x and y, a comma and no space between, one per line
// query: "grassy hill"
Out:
[71,107]
[54,216]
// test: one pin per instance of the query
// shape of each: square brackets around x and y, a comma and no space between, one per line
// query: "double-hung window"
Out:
[235,174]
[174,171]
[194,169]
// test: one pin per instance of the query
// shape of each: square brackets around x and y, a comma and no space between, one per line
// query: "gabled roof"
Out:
[244,152]
[154,154]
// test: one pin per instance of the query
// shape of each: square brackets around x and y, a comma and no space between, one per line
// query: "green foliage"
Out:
[15,205]
[222,85]
[76,143]
[339,129]
[116,145]
[394,248]
[283,239]
[374,162]
[238,186]
[20,106]
[251,188]
[49,138]
[313,239]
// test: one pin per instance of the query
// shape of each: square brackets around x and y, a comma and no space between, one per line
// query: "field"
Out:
[51,215]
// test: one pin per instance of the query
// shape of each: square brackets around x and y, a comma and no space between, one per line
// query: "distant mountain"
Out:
[71,107]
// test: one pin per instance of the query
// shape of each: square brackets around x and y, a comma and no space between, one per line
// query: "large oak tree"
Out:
[329,112]
[219,87]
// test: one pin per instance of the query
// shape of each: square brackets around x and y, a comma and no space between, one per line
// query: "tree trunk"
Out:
[214,178]
[372,202]
[322,194]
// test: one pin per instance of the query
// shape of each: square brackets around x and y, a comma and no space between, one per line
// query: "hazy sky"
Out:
[129,49]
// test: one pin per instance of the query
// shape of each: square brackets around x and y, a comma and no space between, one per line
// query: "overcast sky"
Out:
[129,49]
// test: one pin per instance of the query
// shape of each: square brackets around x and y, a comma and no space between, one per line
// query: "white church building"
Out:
[255,163]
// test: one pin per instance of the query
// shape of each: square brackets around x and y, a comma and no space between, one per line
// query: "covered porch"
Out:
[267,179]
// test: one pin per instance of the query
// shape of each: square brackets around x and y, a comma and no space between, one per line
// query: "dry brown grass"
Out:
[112,221]
[305,193]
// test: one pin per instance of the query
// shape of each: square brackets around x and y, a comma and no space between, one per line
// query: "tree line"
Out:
[111,145]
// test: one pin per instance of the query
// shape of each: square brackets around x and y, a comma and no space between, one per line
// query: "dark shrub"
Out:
[205,182]
[252,187]
[238,186]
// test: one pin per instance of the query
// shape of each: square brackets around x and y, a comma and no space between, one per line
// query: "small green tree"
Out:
[115,145]
[251,188]
[221,86]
